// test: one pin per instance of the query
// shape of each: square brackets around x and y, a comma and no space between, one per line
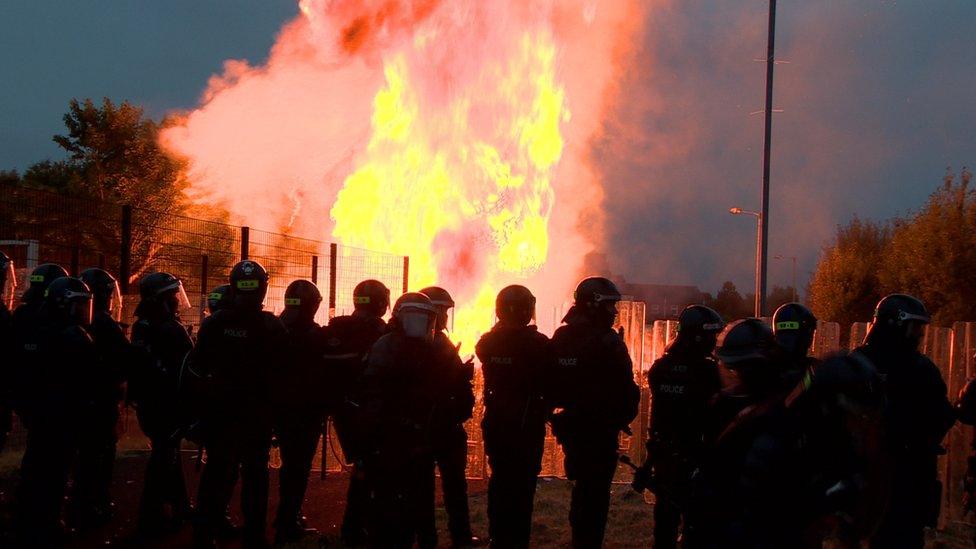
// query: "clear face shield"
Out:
[176,299]
[79,308]
[416,323]
[9,287]
[114,304]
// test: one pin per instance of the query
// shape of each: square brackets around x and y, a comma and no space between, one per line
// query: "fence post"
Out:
[333,261]
[204,282]
[406,272]
[315,269]
[125,250]
[75,260]
[245,242]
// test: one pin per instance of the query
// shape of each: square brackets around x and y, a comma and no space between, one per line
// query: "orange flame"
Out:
[453,132]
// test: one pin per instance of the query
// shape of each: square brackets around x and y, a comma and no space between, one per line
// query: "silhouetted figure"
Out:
[517,367]
[599,399]
[162,343]
[235,363]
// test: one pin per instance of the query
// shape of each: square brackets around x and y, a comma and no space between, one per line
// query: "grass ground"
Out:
[629,524]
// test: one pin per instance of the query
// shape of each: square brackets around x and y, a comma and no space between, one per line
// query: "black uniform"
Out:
[516,363]
[153,390]
[235,360]
[91,500]
[57,373]
[683,383]
[450,440]
[917,416]
[348,339]
[404,386]
[299,413]
[599,400]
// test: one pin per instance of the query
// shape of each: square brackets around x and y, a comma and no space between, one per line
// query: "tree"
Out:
[116,151]
[730,304]
[845,286]
[933,254]
[780,295]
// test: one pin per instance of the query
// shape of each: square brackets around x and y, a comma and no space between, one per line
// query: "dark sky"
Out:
[156,54]
[878,100]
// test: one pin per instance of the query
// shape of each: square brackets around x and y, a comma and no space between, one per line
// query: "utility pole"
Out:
[764,210]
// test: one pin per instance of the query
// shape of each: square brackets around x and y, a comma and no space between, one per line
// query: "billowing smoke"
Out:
[455,132]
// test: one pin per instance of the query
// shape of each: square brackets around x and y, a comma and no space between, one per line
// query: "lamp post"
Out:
[793,259]
[760,301]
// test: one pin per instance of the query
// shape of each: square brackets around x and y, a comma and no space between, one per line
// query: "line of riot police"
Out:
[398,396]
[753,443]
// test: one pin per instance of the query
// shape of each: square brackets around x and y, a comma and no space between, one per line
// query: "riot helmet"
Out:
[899,321]
[597,298]
[698,329]
[248,285]
[415,315]
[8,281]
[746,347]
[39,279]
[371,297]
[515,305]
[794,326]
[68,301]
[442,301]
[105,292]
[161,292]
[302,300]
[218,298]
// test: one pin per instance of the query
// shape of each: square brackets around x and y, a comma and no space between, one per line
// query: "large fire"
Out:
[453,132]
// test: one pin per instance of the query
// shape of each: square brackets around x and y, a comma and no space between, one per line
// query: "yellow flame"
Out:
[461,186]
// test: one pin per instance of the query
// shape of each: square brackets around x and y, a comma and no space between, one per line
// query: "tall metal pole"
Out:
[764,227]
[760,303]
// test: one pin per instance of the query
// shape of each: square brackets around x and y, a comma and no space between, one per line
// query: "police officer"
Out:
[682,384]
[8,286]
[794,326]
[743,492]
[917,416]
[58,374]
[91,500]
[348,339]
[22,338]
[33,298]
[162,343]
[299,405]
[235,364]
[218,299]
[451,440]
[402,391]
[517,366]
[599,400]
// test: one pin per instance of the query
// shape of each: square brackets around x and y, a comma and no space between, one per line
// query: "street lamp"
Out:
[758,312]
[793,259]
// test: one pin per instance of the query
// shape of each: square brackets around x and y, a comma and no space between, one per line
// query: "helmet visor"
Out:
[114,304]
[416,323]
[9,287]
[178,300]
[79,308]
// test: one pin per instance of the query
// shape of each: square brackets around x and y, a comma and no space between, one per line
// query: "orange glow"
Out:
[455,132]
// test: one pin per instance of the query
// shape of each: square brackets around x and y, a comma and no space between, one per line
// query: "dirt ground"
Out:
[629,524]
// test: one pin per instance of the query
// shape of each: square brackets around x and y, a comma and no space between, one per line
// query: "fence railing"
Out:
[38,226]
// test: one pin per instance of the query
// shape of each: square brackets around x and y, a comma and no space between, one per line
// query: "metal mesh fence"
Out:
[38,226]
